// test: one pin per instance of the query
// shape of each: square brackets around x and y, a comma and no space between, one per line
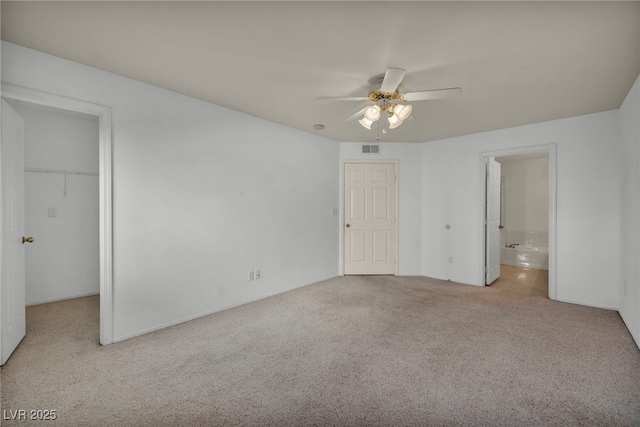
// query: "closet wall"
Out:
[61,204]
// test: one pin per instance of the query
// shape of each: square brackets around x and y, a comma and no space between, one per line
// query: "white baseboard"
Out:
[635,336]
[63,298]
[587,304]
[207,313]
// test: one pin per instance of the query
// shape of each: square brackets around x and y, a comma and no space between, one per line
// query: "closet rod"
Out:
[62,172]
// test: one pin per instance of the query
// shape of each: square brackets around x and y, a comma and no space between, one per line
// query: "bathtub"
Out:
[525,256]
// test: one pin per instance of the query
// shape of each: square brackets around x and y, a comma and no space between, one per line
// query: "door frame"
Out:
[551,150]
[490,245]
[105,191]
[341,207]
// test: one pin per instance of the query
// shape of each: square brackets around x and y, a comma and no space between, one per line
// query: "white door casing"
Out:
[105,194]
[370,208]
[492,252]
[12,289]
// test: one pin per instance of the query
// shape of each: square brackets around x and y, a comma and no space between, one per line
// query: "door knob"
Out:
[27,240]
[348,225]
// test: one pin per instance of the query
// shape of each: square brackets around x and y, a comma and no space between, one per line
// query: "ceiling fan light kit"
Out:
[372,112]
[388,99]
[366,123]
[394,121]
[403,111]
[385,101]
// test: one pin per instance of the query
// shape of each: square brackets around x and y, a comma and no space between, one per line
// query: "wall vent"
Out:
[370,149]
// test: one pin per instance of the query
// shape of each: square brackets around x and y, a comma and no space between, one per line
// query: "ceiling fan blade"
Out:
[432,94]
[357,114]
[392,79]
[342,98]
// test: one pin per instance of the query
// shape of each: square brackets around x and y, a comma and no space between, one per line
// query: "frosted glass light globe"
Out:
[366,123]
[372,113]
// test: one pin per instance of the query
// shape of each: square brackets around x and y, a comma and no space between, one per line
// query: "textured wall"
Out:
[201,195]
[588,204]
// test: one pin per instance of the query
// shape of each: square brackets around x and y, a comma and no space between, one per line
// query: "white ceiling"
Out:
[517,62]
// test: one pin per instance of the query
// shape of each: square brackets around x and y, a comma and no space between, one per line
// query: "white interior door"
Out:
[492,252]
[12,290]
[370,218]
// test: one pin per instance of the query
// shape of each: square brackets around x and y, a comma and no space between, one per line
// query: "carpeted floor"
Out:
[350,351]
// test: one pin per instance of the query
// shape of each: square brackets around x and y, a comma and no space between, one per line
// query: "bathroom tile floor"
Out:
[519,280]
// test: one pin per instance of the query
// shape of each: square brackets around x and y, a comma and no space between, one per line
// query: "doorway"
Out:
[103,114]
[370,217]
[61,203]
[525,246]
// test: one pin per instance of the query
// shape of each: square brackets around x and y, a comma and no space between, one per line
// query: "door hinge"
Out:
[394,261]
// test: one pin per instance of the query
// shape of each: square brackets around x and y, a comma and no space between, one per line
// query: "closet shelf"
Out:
[59,171]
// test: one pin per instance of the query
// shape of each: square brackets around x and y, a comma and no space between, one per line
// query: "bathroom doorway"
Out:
[527,221]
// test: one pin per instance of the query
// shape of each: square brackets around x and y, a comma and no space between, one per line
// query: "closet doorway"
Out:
[61,203]
[67,177]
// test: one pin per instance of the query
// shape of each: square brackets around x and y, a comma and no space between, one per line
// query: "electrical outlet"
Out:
[251,276]
[257,274]
[451,260]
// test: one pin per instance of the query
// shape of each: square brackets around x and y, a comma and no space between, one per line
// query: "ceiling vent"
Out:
[370,149]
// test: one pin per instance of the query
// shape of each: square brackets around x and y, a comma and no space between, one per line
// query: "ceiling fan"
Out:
[387,99]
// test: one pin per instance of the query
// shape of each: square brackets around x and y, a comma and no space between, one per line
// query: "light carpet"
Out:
[350,351]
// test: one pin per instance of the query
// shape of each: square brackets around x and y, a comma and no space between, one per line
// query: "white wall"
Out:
[526,199]
[588,200]
[63,262]
[409,196]
[201,195]
[630,211]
